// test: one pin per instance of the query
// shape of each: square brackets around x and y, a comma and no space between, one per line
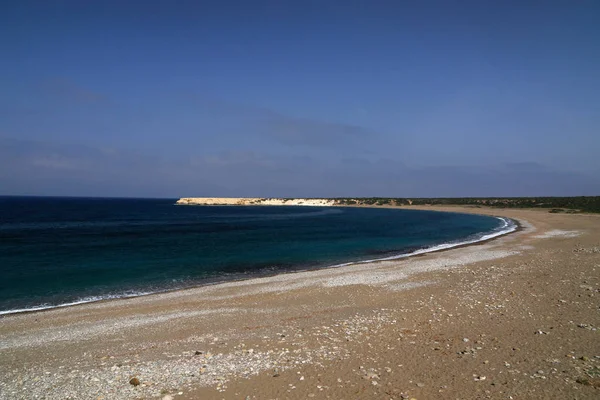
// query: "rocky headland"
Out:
[253,201]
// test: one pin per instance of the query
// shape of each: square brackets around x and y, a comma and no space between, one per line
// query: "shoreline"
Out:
[515,316]
[516,227]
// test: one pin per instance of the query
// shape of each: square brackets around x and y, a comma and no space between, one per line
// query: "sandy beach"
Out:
[516,317]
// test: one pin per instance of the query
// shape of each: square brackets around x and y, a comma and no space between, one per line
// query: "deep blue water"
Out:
[60,250]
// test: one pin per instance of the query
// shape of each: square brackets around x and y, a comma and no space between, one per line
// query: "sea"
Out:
[56,252]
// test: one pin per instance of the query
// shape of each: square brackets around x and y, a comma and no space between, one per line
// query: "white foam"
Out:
[390,272]
[507,227]
[90,299]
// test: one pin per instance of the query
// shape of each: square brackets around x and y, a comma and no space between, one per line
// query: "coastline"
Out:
[514,316]
[511,226]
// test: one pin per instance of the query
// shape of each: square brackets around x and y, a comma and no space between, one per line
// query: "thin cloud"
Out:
[68,89]
[286,129]
[30,167]
[300,131]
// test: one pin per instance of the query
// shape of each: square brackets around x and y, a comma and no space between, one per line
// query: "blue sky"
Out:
[299,98]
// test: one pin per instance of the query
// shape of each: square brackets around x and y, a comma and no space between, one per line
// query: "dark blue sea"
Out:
[58,251]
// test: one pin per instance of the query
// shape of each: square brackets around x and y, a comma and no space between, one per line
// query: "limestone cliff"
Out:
[257,201]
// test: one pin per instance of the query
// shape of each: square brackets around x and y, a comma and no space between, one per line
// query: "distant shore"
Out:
[514,316]
[556,205]
[254,201]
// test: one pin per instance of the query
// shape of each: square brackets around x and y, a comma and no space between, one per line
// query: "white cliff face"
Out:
[253,201]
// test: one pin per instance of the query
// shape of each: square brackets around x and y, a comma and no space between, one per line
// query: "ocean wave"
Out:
[507,226]
[29,226]
[32,226]
[282,216]
[83,300]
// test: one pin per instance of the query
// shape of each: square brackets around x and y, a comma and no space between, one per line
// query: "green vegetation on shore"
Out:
[554,204]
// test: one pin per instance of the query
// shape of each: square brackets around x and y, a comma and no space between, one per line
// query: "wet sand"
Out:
[514,317]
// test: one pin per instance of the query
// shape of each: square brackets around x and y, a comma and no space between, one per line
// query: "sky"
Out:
[299,98]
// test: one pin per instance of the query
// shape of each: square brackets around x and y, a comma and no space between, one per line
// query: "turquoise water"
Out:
[55,251]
